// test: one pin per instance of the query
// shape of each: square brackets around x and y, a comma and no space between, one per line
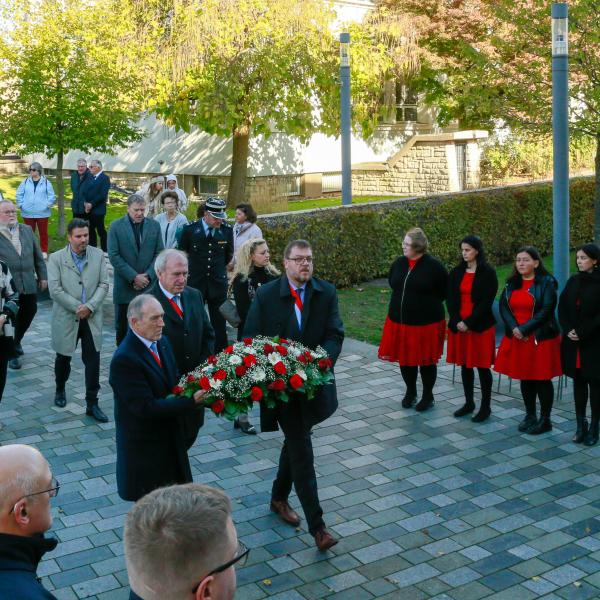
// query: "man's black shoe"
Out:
[19,349]
[15,363]
[60,398]
[409,400]
[95,412]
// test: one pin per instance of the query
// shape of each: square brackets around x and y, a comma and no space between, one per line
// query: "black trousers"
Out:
[218,322]
[3,369]
[91,361]
[121,323]
[297,465]
[97,230]
[27,310]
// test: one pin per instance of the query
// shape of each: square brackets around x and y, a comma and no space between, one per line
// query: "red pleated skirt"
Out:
[521,359]
[412,345]
[472,349]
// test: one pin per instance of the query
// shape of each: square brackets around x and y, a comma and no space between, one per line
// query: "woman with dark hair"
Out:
[472,287]
[530,348]
[415,328]
[253,268]
[579,316]
[245,227]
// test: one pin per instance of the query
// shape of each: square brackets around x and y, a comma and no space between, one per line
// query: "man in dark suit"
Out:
[209,245]
[300,307]
[78,179]
[134,242]
[151,445]
[187,327]
[94,194]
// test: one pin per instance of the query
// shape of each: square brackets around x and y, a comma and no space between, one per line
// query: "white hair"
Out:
[160,264]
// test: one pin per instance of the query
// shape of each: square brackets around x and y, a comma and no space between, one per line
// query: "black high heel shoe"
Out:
[244,426]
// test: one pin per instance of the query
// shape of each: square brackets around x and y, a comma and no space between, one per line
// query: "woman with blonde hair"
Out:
[415,328]
[253,268]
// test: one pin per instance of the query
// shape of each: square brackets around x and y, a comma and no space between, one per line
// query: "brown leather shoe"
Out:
[284,510]
[324,539]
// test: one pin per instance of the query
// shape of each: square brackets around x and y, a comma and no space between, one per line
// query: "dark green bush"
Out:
[359,242]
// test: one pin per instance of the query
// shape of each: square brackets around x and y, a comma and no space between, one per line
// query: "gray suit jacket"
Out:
[26,267]
[128,261]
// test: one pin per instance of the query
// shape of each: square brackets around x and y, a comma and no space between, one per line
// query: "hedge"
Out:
[359,242]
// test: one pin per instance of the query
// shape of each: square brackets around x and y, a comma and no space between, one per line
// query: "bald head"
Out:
[23,471]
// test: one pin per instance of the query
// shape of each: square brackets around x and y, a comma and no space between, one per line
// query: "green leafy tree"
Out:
[65,82]
[490,60]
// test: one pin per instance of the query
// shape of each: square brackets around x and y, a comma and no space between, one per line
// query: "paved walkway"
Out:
[426,506]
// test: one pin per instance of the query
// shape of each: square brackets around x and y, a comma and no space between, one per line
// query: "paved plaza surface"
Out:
[425,505]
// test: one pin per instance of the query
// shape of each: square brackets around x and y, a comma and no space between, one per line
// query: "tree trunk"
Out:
[60,187]
[597,192]
[239,166]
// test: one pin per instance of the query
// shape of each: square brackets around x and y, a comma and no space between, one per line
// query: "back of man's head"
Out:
[25,479]
[175,537]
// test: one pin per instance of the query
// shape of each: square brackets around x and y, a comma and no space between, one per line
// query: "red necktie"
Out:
[296,297]
[155,355]
[176,307]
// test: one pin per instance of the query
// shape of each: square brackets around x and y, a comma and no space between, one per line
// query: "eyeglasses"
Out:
[300,260]
[241,556]
[52,493]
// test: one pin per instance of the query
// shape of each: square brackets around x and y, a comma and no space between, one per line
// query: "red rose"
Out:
[212,360]
[278,385]
[204,383]
[283,341]
[302,359]
[325,363]
[268,348]
[177,390]
[249,360]
[228,350]
[280,368]
[308,355]
[247,341]
[220,375]
[256,393]
[296,381]
[282,350]
[240,370]
[218,406]
[190,379]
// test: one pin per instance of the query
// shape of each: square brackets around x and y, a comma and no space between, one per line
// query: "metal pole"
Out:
[345,118]
[560,138]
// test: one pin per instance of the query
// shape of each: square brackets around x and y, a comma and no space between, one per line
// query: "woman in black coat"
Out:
[8,312]
[530,348]
[579,316]
[472,287]
[253,268]
[415,328]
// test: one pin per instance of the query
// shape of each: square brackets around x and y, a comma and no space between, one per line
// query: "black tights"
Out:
[544,390]
[428,377]
[485,381]
[582,388]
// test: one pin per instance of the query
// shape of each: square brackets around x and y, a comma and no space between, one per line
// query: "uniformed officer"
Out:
[209,245]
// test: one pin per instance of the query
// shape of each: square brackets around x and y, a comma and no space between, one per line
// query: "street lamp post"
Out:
[560,139]
[345,117]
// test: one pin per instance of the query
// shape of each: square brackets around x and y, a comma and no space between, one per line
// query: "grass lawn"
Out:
[335,201]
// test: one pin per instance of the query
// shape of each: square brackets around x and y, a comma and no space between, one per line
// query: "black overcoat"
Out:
[579,309]
[272,313]
[151,443]
[192,340]
[485,286]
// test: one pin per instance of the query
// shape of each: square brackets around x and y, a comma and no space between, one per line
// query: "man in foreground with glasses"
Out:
[26,486]
[180,543]
[299,307]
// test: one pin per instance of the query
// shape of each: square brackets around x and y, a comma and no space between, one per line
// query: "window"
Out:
[406,104]
[332,182]
[209,185]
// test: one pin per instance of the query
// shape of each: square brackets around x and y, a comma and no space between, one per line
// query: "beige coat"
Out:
[65,284]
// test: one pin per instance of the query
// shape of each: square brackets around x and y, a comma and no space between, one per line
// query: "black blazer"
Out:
[485,286]
[95,191]
[543,324]
[151,445]
[417,295]
[77,185]
[272,313]
[585,320]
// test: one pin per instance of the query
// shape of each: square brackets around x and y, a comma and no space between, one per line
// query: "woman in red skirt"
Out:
[472,287]
[530,349]
[414,331]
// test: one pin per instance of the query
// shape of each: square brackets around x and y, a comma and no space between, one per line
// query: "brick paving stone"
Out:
[425,505]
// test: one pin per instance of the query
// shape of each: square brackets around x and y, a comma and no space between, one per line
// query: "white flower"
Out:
[294,351]
[274,358]
[215,384]
[257,374]
[302,374]
[234,359]
[248,350]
